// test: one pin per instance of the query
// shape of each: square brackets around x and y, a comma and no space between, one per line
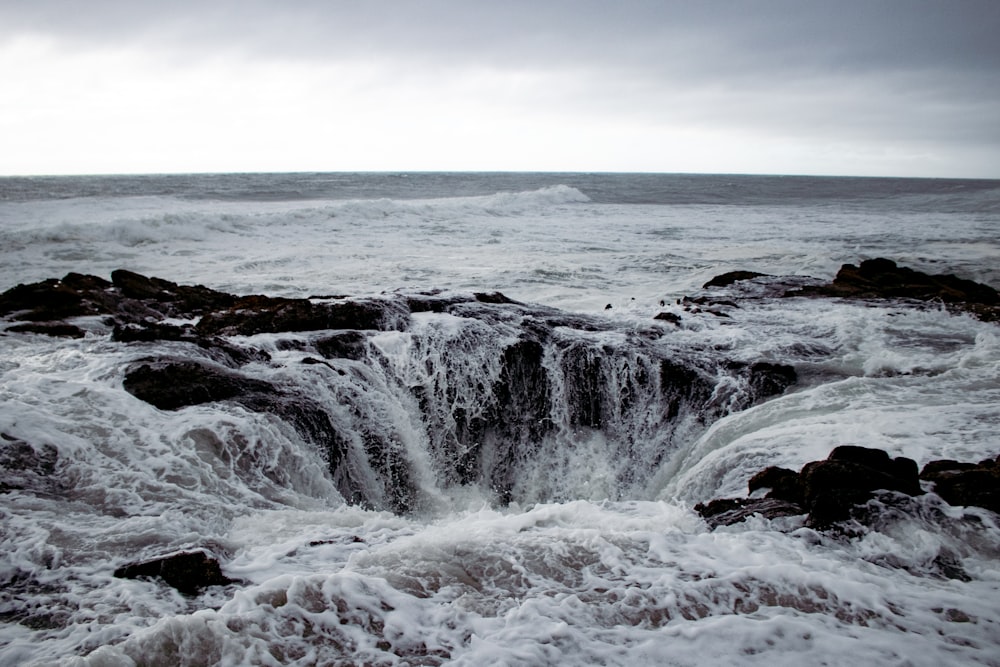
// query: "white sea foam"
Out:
[575,570]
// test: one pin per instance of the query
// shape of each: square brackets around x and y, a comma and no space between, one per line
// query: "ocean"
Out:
[567,534]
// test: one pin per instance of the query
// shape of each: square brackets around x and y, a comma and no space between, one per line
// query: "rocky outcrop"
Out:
[726,279]
[261,314]
[557,378]
[172,384]
[190,572]
[882,279]
[136,306]
[976,484]
[878,279]
[832,491]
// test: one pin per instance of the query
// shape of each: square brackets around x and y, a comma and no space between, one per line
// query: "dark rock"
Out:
[682,385]
[343,345]
[782,482]
[519,414]
[49,300]
[902,470]
[175,384]
[190,572]
[178,299]
[130,297]
[727,511]
[261,314]
[493,297]
[934,469]
[849,477]
[764,380]
[146,332]
[726,279]
[56,329]
[171,384]
[966,484]
[672,318]
[882,279]
[222,350]
[831,491]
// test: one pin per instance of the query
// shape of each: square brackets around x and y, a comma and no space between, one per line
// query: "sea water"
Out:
[576,567]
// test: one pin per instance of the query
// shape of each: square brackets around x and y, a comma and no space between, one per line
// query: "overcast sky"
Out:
[863,87]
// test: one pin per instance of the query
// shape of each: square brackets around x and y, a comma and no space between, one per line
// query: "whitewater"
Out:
[567,536]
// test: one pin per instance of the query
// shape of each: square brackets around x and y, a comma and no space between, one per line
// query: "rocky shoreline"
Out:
[135,309]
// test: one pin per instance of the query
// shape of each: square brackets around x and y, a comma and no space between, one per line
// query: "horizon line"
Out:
[125,174]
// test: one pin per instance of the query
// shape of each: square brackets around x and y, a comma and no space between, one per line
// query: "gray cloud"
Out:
[726,35]
[855,70]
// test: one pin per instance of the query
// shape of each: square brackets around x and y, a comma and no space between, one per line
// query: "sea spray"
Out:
[473,572]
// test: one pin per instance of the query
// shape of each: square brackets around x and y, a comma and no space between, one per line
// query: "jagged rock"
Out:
[764,379]
[261,314]
[342,345]
[727,279]
[171,384]
[849,477]
[783,484]
[976,484]
[176,384]
[55,329]
[829,490]
[881,278]
[727,511]
[493,297]
[54,299]
[682,385]
[222,350]
[672,318]
[175,300]
[487,440]
[833,490]
[129,297]
[190,572]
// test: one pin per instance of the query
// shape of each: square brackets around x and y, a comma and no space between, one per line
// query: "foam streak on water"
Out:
[598,558]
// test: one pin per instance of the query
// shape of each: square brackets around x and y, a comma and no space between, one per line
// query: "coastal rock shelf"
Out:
[494,384]
[837,489]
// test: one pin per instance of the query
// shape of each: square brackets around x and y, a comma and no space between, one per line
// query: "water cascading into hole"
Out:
[526,411]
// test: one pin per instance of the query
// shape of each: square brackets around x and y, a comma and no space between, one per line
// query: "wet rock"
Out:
[727,511]
[828,491]
[493,297]
[173,300]
[727,279]
[129,297]
[965,484]
[261,314]
[672,318]
[343,345]
[849,477]
[782,484]
[54,299]
[222,350]
[682,385]
[190,572]
[764,380]
[881,278]
[55,329]
[171,385]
